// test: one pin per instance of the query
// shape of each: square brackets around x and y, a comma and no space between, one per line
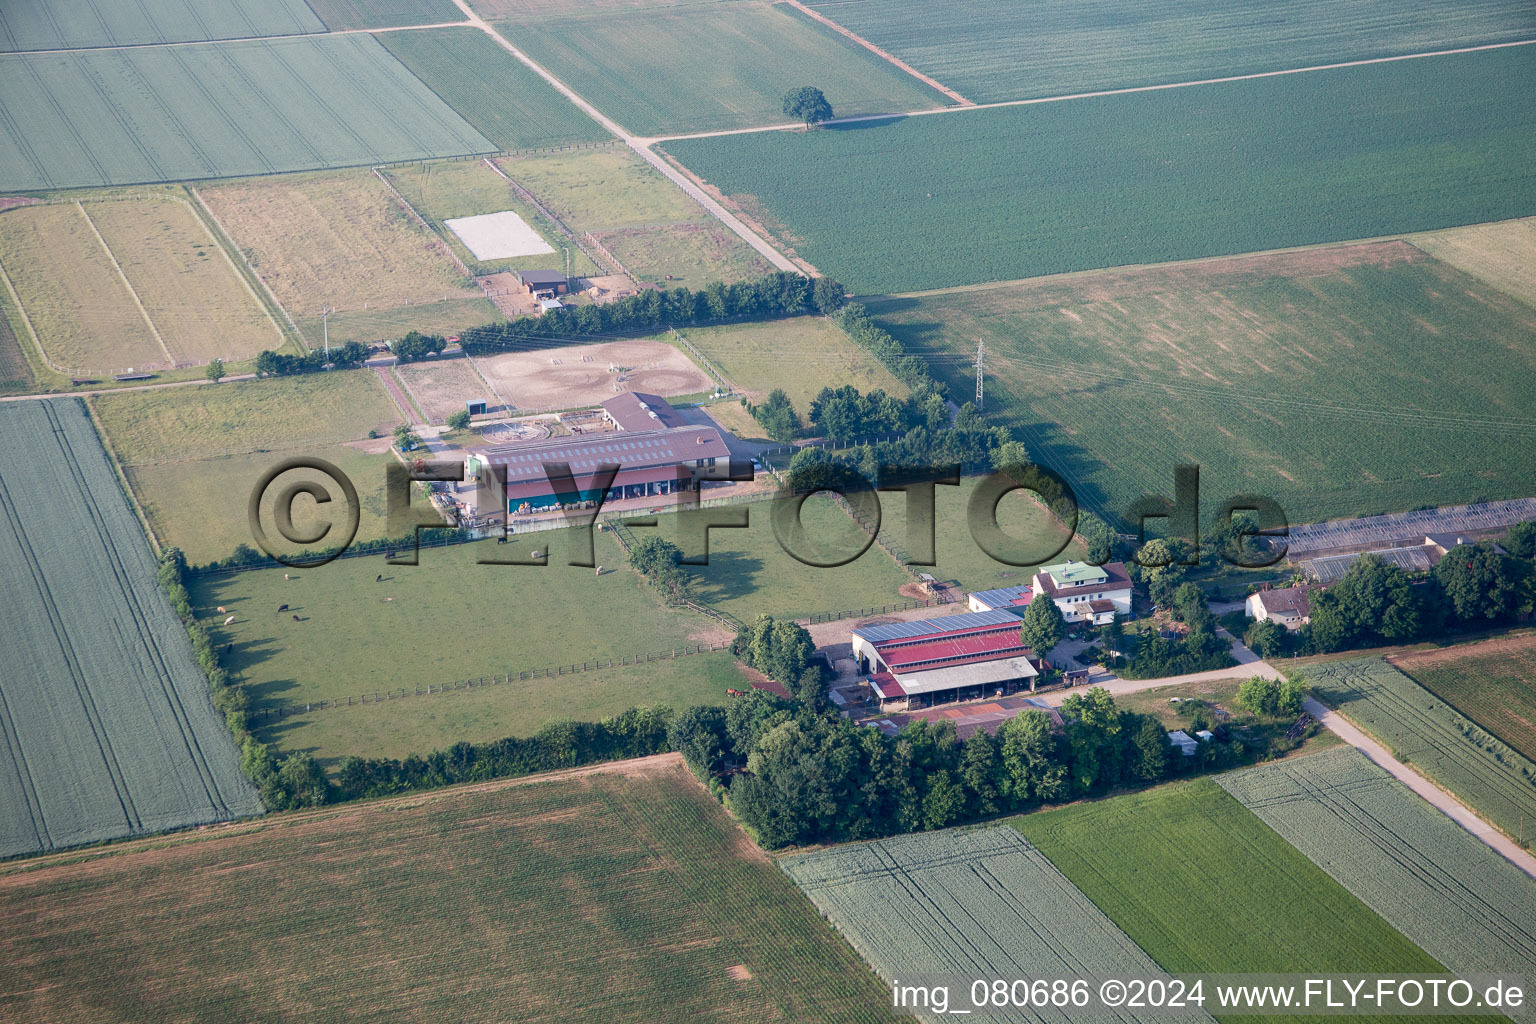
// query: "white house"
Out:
[1290,607]
[1086,593]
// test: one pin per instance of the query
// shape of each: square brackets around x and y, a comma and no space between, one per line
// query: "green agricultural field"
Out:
[108,728]
[345,14]
[15,373]
[1202,885]
[965,902]
[801,355]
[421,724]
[750,573]
[158,113]
[502,97]
[442,191]
[85,23]
[1300,376]
[1499,254]
[1441,886]
[1423,730]
[987,52]
[625,896]
[1146,177]
[341,239]
[703,67]
[444,620]
[1492,682]
[1039,538]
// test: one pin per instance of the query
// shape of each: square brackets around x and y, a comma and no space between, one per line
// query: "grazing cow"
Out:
[295,618]
[287,577]
[379,578]
[282,607]
[221,609]
[229,620]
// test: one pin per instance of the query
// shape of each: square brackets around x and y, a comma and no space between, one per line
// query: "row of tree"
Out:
[341,357]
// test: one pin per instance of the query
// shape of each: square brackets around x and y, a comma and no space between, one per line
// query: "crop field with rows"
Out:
[625,896]
[1421,729]
[1493,683]
[497,93]
[345,14]
[1499,254]
[106,729]
[961,902]
[984,50]
[1295,375]
[1430,878]
[702,67]
[173,113]
[1013,192]
[83,23]
[1202,885]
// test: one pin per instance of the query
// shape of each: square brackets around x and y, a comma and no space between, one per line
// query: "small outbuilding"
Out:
[1184,742]
[544,284]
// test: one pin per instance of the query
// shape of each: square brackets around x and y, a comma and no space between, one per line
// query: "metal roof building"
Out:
[934,661]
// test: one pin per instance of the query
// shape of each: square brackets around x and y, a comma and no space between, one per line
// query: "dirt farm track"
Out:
[577,375]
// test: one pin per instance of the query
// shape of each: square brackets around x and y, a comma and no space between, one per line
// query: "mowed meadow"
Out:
[998,194]
[1493,683]
[1337,381]
[624,895]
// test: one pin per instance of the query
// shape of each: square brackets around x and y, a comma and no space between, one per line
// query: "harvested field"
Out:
[577,375]
[1492,682]
[1502,254]
[497,93]
[1421,729]
[105,718]
[482,902]
[701,67]
[1195,879]
[200,305]
[963,902]
[45,26]
[340,239]
[73,296]
[1146,177]
[441,388]
[177,113]
[983,49]
[1300,376]
[1439,885]
[684,255]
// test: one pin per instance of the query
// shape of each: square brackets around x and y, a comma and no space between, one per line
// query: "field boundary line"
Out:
[1095,94]
[31,330]
[410,396]
[441,243]
[126,283]
[392,388]
[230,239]
[163,44]
[522,192]
[233,269]
[120,470]
[885,55]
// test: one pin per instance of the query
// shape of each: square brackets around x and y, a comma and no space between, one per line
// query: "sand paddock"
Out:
[441,387]
[578,375]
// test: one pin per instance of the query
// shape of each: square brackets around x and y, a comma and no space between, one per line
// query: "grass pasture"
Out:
[983,49]
[494,91]
[751,574]
[1146,177]
[1493,682]
[1300,376]
[1499,254]
[85,23]
[1203,885]
[602,189]
[702,67]
[963,902]
[1432,879]
[444,620]
[1421,729]
[421,724]
[177,113]
[108,728]
[342,239]
[443,191]
[623,895]
[685,255]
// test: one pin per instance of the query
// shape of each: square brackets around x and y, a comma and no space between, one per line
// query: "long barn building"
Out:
[937,661]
